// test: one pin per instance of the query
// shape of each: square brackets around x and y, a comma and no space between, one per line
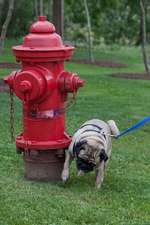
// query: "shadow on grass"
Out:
[112,184]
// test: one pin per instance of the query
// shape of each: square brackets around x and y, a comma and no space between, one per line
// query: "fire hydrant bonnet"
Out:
[43,39]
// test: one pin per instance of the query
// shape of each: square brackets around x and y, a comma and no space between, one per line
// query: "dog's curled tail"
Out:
[113,127]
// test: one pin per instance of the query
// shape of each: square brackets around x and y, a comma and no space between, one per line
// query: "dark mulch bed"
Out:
[137,76]
[9,65]
[103,63]
[3,86]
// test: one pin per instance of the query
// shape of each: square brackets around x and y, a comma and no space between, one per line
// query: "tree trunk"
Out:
[36,8]
[90,44]
[1,7]
[49,13]
[144,38]
[5,25]
[58,16]
[41,8]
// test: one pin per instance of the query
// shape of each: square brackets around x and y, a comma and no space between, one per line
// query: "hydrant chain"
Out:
[12,130]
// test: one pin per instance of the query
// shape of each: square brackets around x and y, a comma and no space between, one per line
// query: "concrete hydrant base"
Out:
[43,165]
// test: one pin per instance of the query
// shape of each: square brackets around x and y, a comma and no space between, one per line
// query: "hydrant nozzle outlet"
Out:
[25,86]
[69,82]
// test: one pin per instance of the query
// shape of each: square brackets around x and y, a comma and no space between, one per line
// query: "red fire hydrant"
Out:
[42,84]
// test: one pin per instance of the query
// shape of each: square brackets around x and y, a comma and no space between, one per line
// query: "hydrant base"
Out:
[43,165]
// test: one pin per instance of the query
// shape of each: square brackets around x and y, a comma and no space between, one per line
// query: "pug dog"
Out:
[91,148]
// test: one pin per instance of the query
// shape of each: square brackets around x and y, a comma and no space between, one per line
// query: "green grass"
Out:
[124,198]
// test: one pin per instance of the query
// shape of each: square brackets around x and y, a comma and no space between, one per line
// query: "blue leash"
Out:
[134,127]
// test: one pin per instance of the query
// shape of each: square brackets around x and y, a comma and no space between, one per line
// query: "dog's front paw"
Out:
[80,173]
[98,185]
[65,175]
[98,182]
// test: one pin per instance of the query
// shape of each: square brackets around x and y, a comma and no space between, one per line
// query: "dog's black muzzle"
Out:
[84,166]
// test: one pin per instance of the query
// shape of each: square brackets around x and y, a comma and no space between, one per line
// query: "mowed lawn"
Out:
[124,198]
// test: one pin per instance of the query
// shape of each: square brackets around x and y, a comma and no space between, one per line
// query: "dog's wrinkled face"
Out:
[84,166]
[89,154]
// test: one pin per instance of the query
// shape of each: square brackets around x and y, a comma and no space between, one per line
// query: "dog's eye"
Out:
[85,157]
[82,152]
[92,161]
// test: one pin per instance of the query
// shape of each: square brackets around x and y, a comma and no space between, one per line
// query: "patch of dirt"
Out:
[3,86]
[136,76]
[103,63]
[9,65]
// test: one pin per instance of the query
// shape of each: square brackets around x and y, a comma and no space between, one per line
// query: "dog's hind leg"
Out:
[66,168]
[100,174]
[80,173]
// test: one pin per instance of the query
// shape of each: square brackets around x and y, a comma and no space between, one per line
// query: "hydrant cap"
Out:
[42,26]
[42,35]
[42,44]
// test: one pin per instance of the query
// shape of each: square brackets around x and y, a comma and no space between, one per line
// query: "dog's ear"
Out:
[77,146]
[80,143]
[103,155]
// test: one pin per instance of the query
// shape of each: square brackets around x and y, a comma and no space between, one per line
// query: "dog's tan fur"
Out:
[92,148]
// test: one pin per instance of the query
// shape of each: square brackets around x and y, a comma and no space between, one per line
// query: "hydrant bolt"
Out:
[25,86]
